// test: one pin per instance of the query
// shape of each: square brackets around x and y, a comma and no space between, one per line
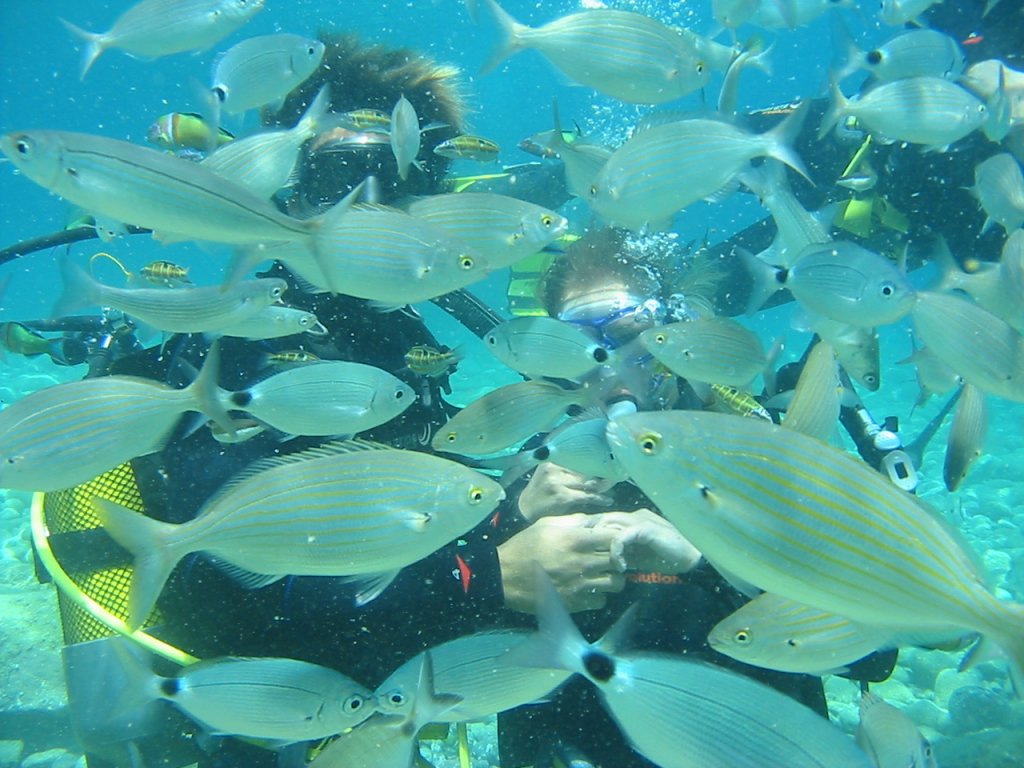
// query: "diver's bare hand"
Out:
[575,554]
[554,491]
[646,541]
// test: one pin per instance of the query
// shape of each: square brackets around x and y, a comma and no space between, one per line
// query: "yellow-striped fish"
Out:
[424,360]
[165,273]
[348,509]
[966,436]
[732,400]
[506,416]
[186,130]
[469,147]
[68,434]
[365,120]
[290,357]
[716,350]
[801,519]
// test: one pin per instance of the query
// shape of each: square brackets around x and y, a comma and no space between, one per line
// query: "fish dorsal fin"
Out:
[336,448]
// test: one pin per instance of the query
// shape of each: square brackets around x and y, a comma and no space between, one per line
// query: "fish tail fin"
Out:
[847,55]
[1006,642]
[79,288]
[557,644]
[943,259]
[510,42]
[154,557]
[836,110]
[782,137]
[765,280]
[139,685]
[94,46]
[207,395]
[315,113]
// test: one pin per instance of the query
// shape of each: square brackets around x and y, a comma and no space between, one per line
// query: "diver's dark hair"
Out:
[375,76]
[595,261]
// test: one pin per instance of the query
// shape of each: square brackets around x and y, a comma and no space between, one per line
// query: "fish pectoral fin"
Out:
[370,586]
[247,579]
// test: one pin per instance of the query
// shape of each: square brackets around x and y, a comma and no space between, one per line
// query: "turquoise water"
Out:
[40,89]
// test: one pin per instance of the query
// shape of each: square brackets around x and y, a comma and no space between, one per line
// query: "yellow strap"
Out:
[463,733]
[857,157]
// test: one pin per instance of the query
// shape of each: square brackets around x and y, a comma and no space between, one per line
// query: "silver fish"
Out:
[545,346]
[840,280]
[623,54]
[734,13]
[263,70]
[855,346]
[934,377]
[984,79]
[915,53]
[274,322]
[779,14]
[582,160]
[349,509]
[405,136]
[502,229]
[804,520]
[920,110]
[175,198]
[814,409]
[199,309]
[261,698]
[506,416]
[662,169]
[999,187]
[68,434]
[472,667]
[153,28]
[966,436]
[980,347]
[667,705]
[890,738]
[715,350]
[264,162]
[329,397]
[995,287]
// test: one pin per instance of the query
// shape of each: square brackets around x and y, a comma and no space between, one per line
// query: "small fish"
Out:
[855,346]
[467,147]
[808,521]
[966,436]
[165,273]
[153,28]
[179,131]
[405,136]
[1000,110]
[814,409]
[274,322]
[999,188]
[324,398]
[264,162]
[915,53]
[714,350]
[68,434]
[243,429]
[643,61]
[664,168]
[861,180]
[502,229]
[666,705]
[424,360]
[899,12]
[542,144]
[545,346]
[934,377]
[920,110]
[195,309]
[337,140]
[347,509]
[733,14]
[732,400]
[582,160]
[890,738]
[261,698]
[365,120]
[780,14]
[504,417]
[980,347]
[263,70]
[839,280]
[995,287]
[289,357]
[986,78]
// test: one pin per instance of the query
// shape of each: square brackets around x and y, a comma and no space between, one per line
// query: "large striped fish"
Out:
[64,435]
[715,350]
[807,521]
[347,509]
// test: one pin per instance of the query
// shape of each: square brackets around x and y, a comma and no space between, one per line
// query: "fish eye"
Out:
[888,289]
[451,437]
[547,220]
[276,292]
[700,67]
[874,57]
[311,50]
[396,698]
[650,443]
[353,704]
[593,190]
[742,636]
[660,338]
[870,379]
[466,262]
[491,339]
[23,147]
[399,394]
[791,642]
[476,495]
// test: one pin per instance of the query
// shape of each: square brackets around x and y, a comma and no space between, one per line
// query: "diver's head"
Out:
[594,286]
[374,77]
